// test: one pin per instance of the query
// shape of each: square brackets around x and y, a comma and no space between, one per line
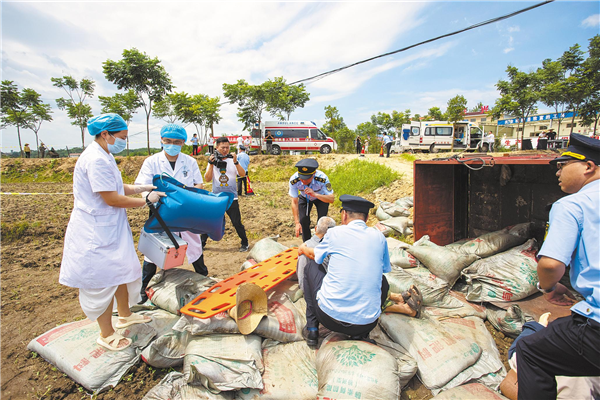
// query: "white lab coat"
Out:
[99,251]
[187,172]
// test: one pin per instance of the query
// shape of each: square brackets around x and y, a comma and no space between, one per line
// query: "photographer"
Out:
[223,169]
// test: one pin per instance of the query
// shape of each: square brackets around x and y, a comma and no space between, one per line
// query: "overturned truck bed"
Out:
[457,198]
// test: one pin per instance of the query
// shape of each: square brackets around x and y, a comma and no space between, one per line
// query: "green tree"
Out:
[210,109]
[283,99]
[165,108]
[384,123]
[16,108]
[333,121]
[144,75]
[553,87]
[435,114]
[518,95]
[576,86]
[125,104]
[370,131]
[77,110]
[200,110]
[40,113]
[455,112]
[250,99]
[590,109]
[477,108]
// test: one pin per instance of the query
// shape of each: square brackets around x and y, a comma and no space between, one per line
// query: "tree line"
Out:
[570,83]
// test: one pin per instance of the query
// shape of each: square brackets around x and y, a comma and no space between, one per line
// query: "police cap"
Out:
[581,148]
[355,204]
[307,168]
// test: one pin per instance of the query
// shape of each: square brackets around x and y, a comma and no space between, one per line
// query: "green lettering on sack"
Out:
[353,356]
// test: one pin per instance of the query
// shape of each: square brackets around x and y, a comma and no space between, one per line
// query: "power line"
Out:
[478,25]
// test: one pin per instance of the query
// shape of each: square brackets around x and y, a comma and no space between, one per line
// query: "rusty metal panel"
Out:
[433,202]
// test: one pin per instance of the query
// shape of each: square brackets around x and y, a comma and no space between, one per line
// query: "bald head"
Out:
[323,225]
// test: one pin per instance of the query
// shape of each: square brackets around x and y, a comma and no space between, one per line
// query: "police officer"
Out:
[309,186]
[569,346]
[349,297]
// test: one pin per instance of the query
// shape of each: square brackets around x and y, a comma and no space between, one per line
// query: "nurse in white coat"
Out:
[185,169]
[99,256]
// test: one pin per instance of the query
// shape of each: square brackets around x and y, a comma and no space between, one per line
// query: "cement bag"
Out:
[401,258]
[440,355]
[491,243]
[290,373]
[349,369]
[72,348]
[394,210]
[507,276]
[510,322]
[407,366]
[444,263]
[247,264]
[522,230]
[465,309]
[432,288]
[399,224]
[284,321]
[471,391]
[265,248]
[385,230]
[395,243]
[382,215]
[488,364]
[224,362]
[174,387]
[406,202]
[167,351]
[290,288]
[173,288]
[456,245]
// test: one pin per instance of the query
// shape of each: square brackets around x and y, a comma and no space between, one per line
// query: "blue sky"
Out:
[203,45]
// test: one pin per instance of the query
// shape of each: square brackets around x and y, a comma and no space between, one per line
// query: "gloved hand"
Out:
[155,196]
[143,188]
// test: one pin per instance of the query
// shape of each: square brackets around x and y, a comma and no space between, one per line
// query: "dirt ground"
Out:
[33,302]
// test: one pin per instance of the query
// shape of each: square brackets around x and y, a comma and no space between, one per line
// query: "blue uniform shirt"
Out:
[351,290]
[574,238]
[320,184]
[244,161]
[386,139]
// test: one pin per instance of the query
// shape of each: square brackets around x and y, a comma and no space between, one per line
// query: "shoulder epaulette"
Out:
[319,179]
[294,181]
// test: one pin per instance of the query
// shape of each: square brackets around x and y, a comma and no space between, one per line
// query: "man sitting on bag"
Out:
[185,169]
[348,298]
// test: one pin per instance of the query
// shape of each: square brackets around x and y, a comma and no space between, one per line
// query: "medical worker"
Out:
[99,256]
[173,162]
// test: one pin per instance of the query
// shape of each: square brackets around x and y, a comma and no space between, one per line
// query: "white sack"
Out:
[174,288]
[266,248]
[174,387]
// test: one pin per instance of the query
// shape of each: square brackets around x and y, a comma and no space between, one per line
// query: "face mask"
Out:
[172,149]
[118,147]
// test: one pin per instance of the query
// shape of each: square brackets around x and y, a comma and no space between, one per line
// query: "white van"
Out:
[432,136]
[292,136]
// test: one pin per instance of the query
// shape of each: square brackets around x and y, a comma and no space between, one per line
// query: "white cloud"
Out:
[508,50]
[512,29]
[591,21]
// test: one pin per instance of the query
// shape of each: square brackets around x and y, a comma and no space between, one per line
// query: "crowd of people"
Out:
[340,268]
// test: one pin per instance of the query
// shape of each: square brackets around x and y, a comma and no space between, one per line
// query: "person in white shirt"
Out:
[185,169]
[99,256]
[240,142]
[211,144]
[223,173]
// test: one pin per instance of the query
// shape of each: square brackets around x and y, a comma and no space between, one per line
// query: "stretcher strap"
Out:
[162,223]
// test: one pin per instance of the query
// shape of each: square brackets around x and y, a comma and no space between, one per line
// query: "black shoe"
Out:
[243,248]
[311,336]
[144,299]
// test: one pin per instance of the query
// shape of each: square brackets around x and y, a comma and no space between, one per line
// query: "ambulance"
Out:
[433,136]
[292,136]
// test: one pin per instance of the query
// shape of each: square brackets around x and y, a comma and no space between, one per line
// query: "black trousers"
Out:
[211,149]
[149,270]
[194,149]
[242,181]
[358,148]
[569,346]
[304,208]
[313,279]
[236,220]
[388,147]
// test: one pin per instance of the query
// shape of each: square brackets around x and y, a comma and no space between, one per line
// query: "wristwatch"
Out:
[236,163]
[545,290]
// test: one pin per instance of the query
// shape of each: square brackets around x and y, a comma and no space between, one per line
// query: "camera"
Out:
[219,160]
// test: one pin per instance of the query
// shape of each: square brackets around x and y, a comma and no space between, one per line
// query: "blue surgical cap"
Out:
[173,131]
[106,122]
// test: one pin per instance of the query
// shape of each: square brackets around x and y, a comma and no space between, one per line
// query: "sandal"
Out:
[415,300]
[112,342]
[134,318]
